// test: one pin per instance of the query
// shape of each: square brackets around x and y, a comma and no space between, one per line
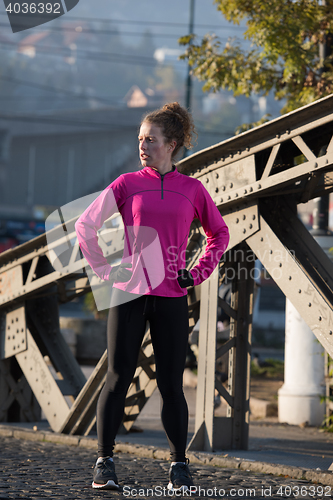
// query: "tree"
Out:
[284,56]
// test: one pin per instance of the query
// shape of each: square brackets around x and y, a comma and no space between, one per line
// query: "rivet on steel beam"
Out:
[288,131]
[271,251]
[244,230]
[290,277]
[278,136]
[231,184]
[207,180]
[320,318]
[299,291]
[231,155]
[223,158]
[216,190]
[247,149]
[251,226]
[244,217]
[229,197]
[237,220]
[310,304]
[315,164]
[236,195]
[239,152]
[331,332]
[216,176]
[280,265]
[221,200]
[261,239]
[223,188]
[259,186]
[253,217]
[245,191]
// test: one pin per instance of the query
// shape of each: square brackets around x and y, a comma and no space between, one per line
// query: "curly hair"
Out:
[176,124]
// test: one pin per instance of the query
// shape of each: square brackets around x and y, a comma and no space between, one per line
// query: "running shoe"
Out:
[180,478]
[104,475]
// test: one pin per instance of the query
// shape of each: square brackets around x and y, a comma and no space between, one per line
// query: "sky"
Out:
[166,20]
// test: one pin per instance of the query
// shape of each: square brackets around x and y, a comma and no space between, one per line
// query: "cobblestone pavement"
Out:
[40,470]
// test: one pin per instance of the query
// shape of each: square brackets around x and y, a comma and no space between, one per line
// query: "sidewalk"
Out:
[301,453]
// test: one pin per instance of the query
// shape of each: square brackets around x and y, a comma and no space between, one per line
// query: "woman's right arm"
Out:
[92,219]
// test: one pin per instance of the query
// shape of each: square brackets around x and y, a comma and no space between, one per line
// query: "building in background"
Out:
[48,160]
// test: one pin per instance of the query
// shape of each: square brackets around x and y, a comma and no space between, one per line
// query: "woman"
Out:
[157,205]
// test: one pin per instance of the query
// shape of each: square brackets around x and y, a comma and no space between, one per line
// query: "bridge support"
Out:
[230,432]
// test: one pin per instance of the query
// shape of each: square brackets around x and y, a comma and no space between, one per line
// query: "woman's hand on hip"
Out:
[121,273]
[185,278]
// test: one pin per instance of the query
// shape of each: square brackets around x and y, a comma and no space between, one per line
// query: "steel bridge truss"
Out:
[256,179]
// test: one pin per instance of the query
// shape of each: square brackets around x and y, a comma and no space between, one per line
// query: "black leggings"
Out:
[168,319]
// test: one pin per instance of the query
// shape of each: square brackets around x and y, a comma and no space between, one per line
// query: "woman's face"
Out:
[154,152]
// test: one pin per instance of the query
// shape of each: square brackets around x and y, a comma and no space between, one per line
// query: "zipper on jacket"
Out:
[162,179]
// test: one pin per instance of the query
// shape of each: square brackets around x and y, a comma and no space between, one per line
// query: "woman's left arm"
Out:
[216,231]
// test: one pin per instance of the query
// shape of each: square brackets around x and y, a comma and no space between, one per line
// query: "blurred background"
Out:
[73,91]
[72,94]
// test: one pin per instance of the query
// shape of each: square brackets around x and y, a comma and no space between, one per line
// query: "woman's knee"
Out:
[117,382]
[170,390]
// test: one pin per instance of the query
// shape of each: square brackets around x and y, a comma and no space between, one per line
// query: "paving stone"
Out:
[34,470]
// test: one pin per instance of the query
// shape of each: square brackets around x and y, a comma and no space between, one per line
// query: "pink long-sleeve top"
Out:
[157,211]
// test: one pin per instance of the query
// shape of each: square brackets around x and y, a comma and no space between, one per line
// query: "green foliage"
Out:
[285,37]
[327,424]
[89,306]
[275,370]
[247,126]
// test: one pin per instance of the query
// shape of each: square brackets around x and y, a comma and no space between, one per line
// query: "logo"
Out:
[26,14]
[137,246]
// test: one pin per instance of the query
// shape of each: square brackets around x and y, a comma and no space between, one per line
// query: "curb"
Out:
[202,458]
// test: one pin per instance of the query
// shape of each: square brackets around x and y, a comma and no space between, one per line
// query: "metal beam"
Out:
[248,177]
